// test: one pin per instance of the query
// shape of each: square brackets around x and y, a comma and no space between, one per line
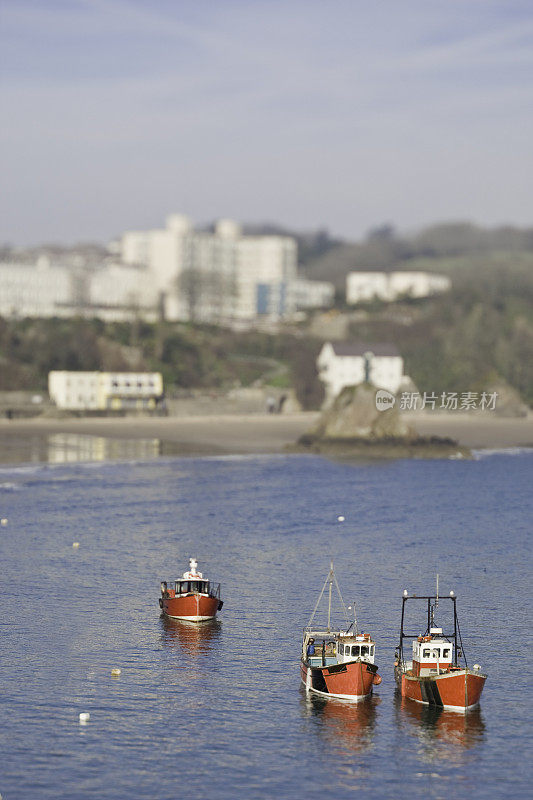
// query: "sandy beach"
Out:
[477,431]
[47,439]
[31,440]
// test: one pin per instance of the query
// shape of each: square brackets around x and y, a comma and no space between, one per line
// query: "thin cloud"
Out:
[278,110]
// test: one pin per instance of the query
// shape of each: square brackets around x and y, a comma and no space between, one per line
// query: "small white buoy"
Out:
[3,521]
[115,671]
[477,667]
[84,717]
[75,545]
[341,519]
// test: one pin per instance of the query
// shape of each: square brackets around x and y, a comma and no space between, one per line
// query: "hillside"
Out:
[188,356]
[477,336]
[431,248]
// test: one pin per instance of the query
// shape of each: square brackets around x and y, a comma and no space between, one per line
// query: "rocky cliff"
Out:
[353,426]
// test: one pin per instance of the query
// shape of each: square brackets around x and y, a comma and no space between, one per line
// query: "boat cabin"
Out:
[329,648]
[192,582]
[183,586]
[350,648]
[432,654]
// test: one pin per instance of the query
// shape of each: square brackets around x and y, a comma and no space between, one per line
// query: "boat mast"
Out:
[330,579]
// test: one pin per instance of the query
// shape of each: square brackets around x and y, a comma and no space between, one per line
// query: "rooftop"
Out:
[360,348]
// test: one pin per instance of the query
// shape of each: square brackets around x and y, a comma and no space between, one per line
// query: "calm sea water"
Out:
[217,711]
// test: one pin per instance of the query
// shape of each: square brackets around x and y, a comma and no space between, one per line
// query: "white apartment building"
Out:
[113,291]
[266,265]
[36,290]
[362,287]
[214,276]
[118,291]
[342,364]
[311,294]
[104,391]
[418,284]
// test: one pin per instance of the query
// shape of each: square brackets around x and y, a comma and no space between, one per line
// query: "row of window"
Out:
[184,587]
[357,650]
[437,653]
[140,384]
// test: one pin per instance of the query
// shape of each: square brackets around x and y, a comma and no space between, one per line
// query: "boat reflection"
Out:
[350,725]
[442,734]
[194,638]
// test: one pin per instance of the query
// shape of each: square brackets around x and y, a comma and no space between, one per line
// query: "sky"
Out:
[342,115]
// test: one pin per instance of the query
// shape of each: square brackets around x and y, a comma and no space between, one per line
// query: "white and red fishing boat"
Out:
[192,597]
[436,672]
[338,663]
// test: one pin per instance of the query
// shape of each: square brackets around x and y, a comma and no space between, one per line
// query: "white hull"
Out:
[353,698]
[456,709]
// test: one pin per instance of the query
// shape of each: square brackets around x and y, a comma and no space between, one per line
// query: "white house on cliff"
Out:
[343,364]
[362,287]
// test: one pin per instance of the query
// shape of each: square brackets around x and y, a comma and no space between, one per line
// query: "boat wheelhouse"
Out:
[435,671]
[192,597]
[338,663]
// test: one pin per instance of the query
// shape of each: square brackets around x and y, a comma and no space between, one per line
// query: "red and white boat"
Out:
[433,673]
[193,597]
[339,663]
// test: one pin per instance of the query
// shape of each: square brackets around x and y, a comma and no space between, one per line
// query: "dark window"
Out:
[364,650]
[355,650]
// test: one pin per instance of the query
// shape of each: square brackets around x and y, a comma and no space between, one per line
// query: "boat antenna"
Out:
[331,575]
[354,621]
[434,606]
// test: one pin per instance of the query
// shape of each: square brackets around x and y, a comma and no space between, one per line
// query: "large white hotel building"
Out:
[176,272]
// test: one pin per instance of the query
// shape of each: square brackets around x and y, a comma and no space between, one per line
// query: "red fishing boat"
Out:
[436,673]
[193,597]
[338,663]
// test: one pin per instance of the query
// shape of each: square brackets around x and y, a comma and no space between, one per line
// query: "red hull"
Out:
[195,608]
[457,690]
[351,681]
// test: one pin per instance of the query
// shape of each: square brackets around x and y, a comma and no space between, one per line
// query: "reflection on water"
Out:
[74,447]
[350,725]
[442,735]
[192,638]
[70,448]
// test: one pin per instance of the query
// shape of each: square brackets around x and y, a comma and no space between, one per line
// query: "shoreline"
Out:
[46,439]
